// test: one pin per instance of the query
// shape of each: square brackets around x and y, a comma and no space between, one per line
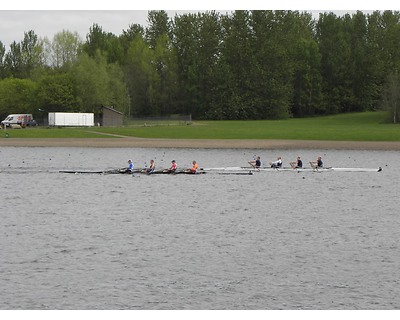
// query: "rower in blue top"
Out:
[128,169]
[130,166]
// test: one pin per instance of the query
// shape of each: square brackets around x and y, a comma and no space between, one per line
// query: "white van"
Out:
[23,119]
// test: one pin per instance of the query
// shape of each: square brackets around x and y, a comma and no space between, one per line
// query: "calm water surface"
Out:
[273,240]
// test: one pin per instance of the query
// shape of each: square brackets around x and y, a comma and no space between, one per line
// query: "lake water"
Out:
[273,240]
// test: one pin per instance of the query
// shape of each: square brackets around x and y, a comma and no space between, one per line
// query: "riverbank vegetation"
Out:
[236,66]
[364,126]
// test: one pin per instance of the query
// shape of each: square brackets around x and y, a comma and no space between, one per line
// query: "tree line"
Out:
[241,65]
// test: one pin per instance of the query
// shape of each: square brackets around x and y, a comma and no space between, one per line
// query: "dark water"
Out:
[274,240]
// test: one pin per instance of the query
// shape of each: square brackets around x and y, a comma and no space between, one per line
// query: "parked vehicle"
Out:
[32,123]
[21,120]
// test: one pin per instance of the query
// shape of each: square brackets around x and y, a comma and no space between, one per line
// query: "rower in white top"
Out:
[276,164]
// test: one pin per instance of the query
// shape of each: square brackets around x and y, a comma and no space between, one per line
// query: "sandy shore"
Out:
[129,142]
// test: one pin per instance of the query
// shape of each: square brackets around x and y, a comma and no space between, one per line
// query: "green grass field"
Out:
[367,126]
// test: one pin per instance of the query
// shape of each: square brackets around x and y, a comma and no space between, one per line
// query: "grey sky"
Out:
[46,20]
[48,23]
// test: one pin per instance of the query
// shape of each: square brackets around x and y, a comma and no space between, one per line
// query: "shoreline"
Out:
[129,142]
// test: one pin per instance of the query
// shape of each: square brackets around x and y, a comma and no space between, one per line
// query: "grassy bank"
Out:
[367,126]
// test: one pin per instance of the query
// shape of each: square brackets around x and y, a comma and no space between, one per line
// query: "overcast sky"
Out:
[47,19]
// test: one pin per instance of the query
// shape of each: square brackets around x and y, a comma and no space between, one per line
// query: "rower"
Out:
[317,164]
[128,169]
[151,168]
[256,163]
[297,164]
[194,168]
[173,167]
[130,166]
[276,164]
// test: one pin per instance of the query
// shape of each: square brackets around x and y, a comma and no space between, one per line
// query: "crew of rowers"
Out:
[317,164]
[256,163]
[152,167]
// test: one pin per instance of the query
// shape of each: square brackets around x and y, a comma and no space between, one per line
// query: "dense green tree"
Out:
[17,96]
[63,50]
[98,83]
[234,79]
[96,40]
[392,96]
[129,35]
[307,95]
[197,39]
[117,91]
[208,58]
[2,66]
[390,33]
[32,54]
[165,80]
[139,74]
[360,64]
[13,61]
[105,42]
[297,36]
[335,48]
[57,93]
[185,40]
[374,61]
[159,25]
[272,69]
[91,78]
[24,58]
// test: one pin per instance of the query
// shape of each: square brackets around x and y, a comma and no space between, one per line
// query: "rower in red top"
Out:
[173,167]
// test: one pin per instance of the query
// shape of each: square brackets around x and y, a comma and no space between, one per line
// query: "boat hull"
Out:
[289,169]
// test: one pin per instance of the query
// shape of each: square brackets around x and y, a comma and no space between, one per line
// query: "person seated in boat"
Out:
[297,164]
[317,163]
[277,163]
[128,169]
[151,168]
[130,166]
[173,167]
[256,163]
[194,168]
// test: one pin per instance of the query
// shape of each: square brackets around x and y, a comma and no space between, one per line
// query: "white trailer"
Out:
[67,119]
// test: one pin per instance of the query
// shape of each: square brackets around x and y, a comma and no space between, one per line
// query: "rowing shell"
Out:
[140,171]
[117,171]
[226,170]
[269,169]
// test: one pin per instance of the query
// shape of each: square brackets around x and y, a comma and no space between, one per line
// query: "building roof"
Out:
[113,110]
